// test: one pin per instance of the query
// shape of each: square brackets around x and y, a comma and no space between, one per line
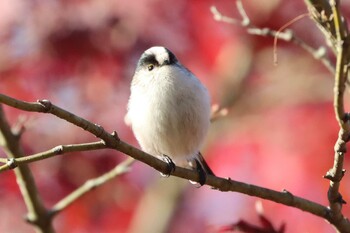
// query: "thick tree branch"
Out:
[222,184]
[37,213]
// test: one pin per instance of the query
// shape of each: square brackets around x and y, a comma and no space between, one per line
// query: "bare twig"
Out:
[287,35]
[217,112]
[58,150]
[321,13]
[37,213]
[303,44]
[338,34]
[220,17]
[327,16]
[222,184]
[90,185]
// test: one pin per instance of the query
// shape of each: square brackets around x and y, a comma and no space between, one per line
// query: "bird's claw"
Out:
[201,173]
[170,166]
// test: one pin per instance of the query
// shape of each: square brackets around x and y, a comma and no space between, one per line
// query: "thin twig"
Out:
[243,13]
[220,17]
[321,13]
[217,112]
[279,31]
[91,184]
[287,35]
[57,150]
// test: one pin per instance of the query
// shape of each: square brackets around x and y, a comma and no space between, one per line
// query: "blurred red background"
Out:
[81,55]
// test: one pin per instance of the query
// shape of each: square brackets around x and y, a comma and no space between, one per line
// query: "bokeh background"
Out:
[279,132]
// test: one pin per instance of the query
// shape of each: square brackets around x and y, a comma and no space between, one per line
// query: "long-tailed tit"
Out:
[169,110]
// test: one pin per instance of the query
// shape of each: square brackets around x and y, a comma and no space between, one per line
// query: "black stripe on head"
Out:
[147,59]
[157,56]
[172,57]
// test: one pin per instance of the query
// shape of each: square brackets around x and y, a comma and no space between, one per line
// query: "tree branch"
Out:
[57,150]
[91,184]
[37,213]
[328,18]
[336,30]
[287,35]
[222,184]
[321,13]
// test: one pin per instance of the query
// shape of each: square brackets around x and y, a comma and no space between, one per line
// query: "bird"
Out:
[169,111]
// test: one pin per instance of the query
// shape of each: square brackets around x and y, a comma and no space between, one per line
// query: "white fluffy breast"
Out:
[169,111]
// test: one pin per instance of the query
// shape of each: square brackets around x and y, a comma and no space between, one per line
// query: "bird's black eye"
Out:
[150,67]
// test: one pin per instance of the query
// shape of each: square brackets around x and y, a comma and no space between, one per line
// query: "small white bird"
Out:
[169,110]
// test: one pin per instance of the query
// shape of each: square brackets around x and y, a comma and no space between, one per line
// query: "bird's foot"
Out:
[201,173]
[170,166]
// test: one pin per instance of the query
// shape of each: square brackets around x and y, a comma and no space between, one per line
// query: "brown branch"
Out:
[37,213]
[328,18]
[222,184]
[58,150]
[321,13]
[91,184]
[335,29]
[287,35]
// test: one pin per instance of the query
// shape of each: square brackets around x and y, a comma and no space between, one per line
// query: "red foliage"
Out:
[81,55]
